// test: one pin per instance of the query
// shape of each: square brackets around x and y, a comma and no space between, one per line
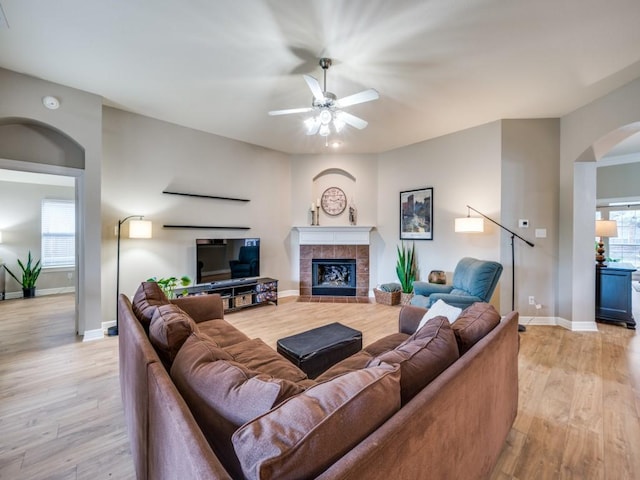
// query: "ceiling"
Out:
[219,66]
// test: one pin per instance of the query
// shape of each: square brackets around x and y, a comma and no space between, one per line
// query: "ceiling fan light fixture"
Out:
[310,123]
[338,123]
[325,117]
[327,106]
[324,131]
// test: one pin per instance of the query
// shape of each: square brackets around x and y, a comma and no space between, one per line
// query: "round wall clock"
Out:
[333,201]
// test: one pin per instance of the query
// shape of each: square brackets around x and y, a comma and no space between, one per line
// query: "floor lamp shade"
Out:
[137,229]
[140,229]
[469,225]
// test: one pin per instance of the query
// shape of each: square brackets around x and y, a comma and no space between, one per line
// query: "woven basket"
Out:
[386,298]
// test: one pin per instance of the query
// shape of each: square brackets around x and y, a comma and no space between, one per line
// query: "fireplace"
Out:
[335,244]
[335,277]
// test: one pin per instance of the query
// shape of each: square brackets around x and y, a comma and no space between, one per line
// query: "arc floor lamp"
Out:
[137,229]
[471,224]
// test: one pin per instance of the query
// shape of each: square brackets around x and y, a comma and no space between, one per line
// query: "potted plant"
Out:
[406,271]
[168,285]
[30,273]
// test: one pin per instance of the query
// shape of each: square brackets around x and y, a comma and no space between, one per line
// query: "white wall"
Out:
[143,157]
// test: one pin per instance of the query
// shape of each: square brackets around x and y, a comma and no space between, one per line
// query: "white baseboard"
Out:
[288,293]
[40,292]
[90,335]
[559,322]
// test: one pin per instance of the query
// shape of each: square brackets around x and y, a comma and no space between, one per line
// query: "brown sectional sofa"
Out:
[204,401]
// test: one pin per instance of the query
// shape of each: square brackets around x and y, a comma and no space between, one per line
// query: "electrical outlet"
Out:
[69,275]
[532,300]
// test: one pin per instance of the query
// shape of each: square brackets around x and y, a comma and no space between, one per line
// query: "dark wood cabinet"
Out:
[613,294]
[238,294]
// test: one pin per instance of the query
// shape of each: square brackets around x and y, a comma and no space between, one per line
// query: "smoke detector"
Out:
[52,103]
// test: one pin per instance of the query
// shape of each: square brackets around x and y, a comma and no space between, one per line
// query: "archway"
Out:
[584,206]
[30,146]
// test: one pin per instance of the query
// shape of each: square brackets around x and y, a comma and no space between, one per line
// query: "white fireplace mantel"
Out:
[334,235]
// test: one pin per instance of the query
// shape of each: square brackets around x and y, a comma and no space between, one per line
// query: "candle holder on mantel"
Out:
[315,215]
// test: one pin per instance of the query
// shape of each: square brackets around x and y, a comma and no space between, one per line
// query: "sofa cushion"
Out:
[223,394]
[169,329]
[423,356]
[222,332]
[440,308]
[474,323]
[146,300]
[357,361]
[385,344]
[307,433]
[257,355]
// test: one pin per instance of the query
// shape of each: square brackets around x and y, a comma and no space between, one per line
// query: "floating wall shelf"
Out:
[205,196]
[207,227]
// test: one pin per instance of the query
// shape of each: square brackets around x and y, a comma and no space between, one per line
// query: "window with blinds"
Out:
[58,233]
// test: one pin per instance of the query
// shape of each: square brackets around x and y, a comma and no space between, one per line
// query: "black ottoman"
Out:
[314,351]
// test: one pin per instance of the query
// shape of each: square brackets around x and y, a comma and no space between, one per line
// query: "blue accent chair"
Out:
[473,281]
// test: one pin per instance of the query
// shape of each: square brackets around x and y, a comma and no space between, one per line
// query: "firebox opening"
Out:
[335,277]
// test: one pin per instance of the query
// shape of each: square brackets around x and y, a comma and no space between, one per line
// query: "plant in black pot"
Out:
[30,273]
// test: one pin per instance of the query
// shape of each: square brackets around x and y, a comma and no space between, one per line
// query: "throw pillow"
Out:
[169,329]
[306,434]
[423,356]
[440,308]
[146,300]
[474,323]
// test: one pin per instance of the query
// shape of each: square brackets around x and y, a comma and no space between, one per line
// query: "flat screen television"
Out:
[221,259]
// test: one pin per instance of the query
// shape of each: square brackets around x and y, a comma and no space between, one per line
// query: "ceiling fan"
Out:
[328,107]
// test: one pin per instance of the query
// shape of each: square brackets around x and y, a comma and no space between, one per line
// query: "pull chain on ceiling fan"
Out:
[327,106]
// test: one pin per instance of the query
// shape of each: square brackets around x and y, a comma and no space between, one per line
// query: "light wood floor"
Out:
[61,415]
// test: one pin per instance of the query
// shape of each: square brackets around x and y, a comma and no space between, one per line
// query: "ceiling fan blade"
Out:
[352,120]
[361,97]
[318,94]
[290,110]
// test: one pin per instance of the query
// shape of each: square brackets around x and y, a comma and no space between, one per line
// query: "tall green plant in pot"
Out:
[30,273]
[406,271]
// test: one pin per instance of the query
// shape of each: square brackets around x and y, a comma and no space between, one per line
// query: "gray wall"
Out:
[618,181]
[79,118]
[144,156]
[530,190]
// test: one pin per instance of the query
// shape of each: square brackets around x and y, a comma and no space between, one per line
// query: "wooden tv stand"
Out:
[240,293]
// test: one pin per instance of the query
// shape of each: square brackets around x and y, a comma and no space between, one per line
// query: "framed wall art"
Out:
[416,214]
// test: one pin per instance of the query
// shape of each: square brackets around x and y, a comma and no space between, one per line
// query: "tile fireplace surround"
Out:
[335,243]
